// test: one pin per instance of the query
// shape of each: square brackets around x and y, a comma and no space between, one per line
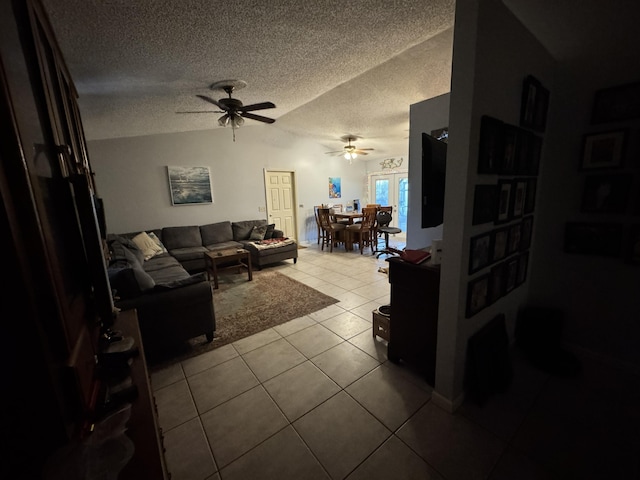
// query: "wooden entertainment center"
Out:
[57,307]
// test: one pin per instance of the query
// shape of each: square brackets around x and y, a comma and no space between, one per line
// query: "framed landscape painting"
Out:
[603,150]
[189,185]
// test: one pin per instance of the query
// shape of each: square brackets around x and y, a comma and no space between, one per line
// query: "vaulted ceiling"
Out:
[331,67]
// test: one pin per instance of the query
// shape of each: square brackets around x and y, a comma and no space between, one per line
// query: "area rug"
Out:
[244,308]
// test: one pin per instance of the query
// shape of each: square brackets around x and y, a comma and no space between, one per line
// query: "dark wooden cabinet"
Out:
[56,301]
[414,315]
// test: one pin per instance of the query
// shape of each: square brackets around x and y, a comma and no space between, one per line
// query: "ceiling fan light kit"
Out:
[349,151]
[234,111]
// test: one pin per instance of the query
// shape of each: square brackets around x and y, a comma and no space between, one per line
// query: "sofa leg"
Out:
[295,260]
[209,337]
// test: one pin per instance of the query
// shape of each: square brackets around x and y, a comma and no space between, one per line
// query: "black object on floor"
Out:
[539,335]
[489,368]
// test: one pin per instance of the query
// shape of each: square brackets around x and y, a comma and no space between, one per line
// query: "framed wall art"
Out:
[479,252]
[603,239]
[511,276]
[496,282]
[515,235]
[491,145]
[484,204]
[499,244]
[603,150]
[189,185]
[526,232]
[530,196]
[503,201]
[510,153]
[606,193]
[518,198]
[534,104]
[335,189]
[477,294]
[615,104]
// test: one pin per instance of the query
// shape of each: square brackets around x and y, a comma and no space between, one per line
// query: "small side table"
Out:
[215,261]
[381,325]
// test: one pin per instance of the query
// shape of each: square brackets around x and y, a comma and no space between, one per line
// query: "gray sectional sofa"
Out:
[160,273]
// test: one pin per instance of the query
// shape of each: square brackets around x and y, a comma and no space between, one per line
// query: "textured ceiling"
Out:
[332,67]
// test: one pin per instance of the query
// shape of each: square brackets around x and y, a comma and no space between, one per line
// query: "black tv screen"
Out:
[434,164]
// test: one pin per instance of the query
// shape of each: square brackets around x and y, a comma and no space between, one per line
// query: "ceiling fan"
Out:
[350,152]
[232,108]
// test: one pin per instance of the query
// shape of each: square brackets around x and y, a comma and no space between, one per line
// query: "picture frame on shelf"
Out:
[477,294]
[593,238]
[499,244]
[614,104]
[503,202]
[518,198]
[484,204]
[534,104]
[530,197]
[606,193]
[526,232]
[603,150]
[496,282]
[533,155]
[479,252]
[491,145]
[523,262]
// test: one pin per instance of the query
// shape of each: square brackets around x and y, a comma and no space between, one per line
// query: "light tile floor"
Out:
[316,398]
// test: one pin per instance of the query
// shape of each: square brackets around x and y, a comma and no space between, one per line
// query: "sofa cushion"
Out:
[258,232]
[155,238]
[190,253]
[181,237]
[159,262]
[183,282]
[169,274]
[224,246]
[216,233]
[242,230]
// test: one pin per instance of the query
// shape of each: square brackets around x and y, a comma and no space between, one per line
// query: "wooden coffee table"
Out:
[218,260]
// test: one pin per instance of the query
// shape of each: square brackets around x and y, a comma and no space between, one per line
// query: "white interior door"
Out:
[280,191]
[392,189]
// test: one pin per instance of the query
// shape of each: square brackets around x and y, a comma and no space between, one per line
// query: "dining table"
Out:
[350,217]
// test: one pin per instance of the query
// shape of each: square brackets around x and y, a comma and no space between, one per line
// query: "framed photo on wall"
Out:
[534,104]
[511,154]
[606,193]
[511,276]
[491,145]
[603,150]
[496,282]
[484,204]
[526,232]
[477,294]
[530,196]
[499,244]
[617,103]
[515,236]
[591,238]
[503,202]
[519,195]
[479,254]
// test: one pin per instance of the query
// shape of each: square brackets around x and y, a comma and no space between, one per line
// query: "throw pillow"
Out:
[269,233]
[147,245]
[258,232]
[155,238]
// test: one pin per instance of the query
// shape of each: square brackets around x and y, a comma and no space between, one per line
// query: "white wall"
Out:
[493,53]
[131,176]
[424,116]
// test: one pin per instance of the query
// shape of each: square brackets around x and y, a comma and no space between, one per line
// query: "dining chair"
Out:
[320,229]
[331,229]
[362,233]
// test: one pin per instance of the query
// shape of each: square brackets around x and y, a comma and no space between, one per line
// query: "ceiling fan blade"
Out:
[359,152]
[337,152]
[215,102]
[259,118]
[257,106]
[203,111]
[365,149]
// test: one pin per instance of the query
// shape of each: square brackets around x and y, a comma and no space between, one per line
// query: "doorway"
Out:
[281,201]
[392,189]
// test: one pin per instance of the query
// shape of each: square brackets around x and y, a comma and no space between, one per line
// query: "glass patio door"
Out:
[392,189]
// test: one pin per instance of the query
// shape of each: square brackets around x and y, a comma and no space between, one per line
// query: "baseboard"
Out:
[446,404]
